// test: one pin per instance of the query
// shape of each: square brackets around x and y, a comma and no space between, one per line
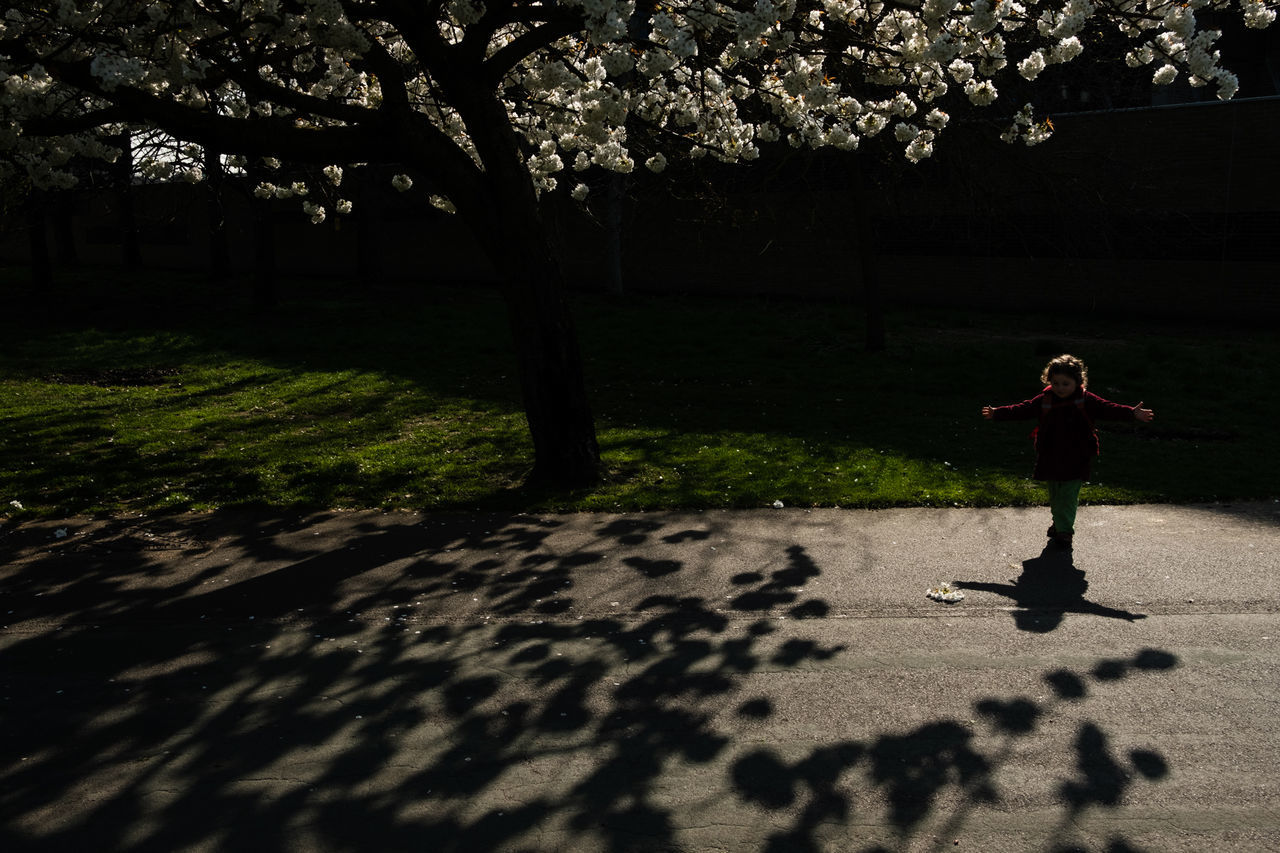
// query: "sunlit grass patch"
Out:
[756,470]
[410,400]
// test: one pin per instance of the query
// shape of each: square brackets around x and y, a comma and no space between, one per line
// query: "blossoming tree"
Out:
[486,104]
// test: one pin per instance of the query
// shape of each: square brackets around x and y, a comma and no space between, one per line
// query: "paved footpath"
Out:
[770,680]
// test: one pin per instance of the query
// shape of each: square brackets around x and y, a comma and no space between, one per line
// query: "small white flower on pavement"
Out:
[946,592]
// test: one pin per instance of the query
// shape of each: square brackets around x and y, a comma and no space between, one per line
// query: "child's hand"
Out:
[1144,415]
[986,412]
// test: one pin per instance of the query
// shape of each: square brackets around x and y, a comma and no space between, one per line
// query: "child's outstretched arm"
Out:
[1105,410]
[1025,410]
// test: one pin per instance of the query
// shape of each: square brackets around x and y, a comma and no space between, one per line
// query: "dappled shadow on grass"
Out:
[783,381]
[157,453]
[462,683]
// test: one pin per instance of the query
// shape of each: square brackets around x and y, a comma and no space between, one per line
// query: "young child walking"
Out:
[1065,438]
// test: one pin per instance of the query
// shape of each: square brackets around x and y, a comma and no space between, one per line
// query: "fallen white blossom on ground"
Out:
[946,592]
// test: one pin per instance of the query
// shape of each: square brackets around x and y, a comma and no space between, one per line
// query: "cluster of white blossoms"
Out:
[315,211]
[115,70]
[297,189]
[703,77]
[1026,129]
[947,593]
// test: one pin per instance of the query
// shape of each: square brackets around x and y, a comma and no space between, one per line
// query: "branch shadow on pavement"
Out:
[1049,587]
[934,777]
[464,683]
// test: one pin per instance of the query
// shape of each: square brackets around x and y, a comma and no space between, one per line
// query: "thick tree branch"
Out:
[543,35]
[419,27]
[65,125]
[390,73]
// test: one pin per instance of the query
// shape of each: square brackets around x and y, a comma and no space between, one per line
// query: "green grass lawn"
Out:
[165,393]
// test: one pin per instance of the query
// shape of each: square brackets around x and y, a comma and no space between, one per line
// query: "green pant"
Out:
[1064,497]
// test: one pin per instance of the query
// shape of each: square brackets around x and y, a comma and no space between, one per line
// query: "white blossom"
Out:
[1031,67]
[546,161]
[869,124]
[921,147]
[1027,129]
[904,132]
[1066,50]
[981,93]
[961,71]
[842,137]
[1257,15]
[945,592]
[441,203]
[712,79]
[1138,58]
[1228,85]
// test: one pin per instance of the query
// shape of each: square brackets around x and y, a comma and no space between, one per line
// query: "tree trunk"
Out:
[552,384]
[502,209]
[566,453]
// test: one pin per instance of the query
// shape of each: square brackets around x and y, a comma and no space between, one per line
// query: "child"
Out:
[1065,439]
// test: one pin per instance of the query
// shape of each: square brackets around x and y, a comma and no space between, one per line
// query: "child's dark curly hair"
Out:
[1067,365]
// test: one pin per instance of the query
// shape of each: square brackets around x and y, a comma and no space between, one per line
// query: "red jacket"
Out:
[1065,439]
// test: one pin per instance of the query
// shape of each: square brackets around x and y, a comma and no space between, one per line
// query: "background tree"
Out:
[486,104]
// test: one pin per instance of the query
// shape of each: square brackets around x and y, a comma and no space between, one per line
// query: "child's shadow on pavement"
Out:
[1049,587]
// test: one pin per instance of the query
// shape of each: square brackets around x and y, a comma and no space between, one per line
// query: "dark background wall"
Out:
[1172,211]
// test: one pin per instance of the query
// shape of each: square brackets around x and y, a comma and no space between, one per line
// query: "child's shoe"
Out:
[1061,540]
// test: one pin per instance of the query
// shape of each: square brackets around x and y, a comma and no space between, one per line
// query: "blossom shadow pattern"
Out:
[462,682]
[914,768]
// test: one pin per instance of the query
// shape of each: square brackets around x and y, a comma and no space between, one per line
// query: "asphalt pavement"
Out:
[764,680]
